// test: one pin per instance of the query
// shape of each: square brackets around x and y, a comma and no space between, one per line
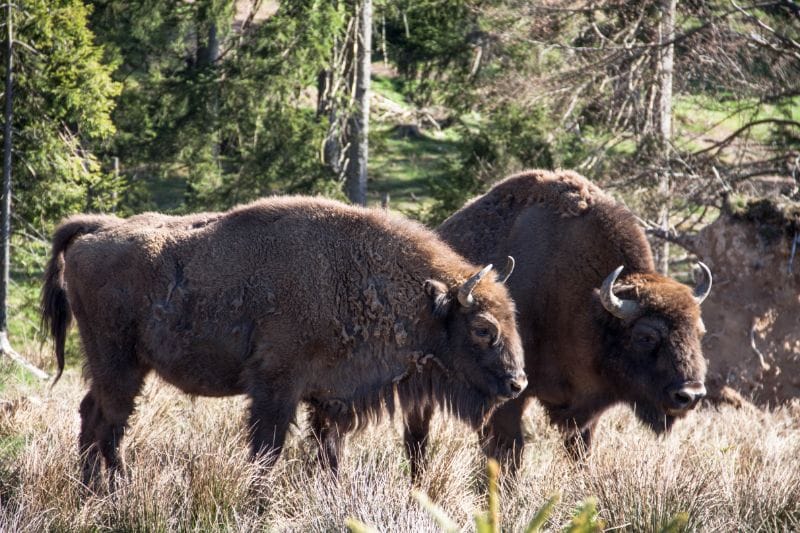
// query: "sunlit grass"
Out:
[189,469]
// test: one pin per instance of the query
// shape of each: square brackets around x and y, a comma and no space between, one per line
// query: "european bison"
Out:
[287,300]
[599,325]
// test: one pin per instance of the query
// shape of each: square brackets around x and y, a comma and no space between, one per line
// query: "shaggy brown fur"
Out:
[567,236]
[287,300]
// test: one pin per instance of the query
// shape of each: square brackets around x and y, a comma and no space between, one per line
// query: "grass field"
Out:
[729,470]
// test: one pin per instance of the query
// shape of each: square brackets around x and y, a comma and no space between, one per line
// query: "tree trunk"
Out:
[5,212]
[358,125]
[667,49]
[211,56]
[327,109]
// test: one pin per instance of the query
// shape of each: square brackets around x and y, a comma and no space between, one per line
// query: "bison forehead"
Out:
[494,298]
[663,295]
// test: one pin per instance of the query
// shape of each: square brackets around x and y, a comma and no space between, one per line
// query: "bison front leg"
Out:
[576,424]
[415,437]
[271,412]
[578,441]
[329,437]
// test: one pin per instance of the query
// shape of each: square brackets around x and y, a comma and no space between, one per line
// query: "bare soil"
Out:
[753,312]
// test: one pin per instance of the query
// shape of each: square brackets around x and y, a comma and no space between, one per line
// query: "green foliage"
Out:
[439,515]
[677,524]
[356,526]
[63,98]
[231,125]
[585,519]
[511,139]
[430,42]
[541,516]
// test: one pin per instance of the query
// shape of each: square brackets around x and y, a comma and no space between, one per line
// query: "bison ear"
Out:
[440,295]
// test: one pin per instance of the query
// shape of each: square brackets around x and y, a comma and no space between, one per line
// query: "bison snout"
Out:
[514,385]
[686,395]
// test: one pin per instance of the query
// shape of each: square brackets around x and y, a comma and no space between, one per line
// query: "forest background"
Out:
[125,106]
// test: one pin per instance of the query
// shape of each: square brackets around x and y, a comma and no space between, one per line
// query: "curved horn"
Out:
[506,273]
[703,286]
[624,309]
[465,291]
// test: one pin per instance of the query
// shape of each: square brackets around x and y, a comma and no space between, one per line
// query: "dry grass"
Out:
[189,470]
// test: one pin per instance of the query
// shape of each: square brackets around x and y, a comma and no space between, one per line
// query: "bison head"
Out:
[481,344]
[653,356]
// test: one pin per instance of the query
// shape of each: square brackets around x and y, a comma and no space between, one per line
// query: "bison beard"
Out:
[216,305]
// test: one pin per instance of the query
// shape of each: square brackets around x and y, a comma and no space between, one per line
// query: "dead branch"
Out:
[727,140]
[6,349]
[764,366]
[684,241]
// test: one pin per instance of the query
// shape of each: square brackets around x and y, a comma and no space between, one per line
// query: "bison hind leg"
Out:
[90,455]
[104,418]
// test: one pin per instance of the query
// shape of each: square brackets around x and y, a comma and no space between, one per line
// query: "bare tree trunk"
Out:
[327,107]
[5,212]
[358,125]
[666,35]
[209,58]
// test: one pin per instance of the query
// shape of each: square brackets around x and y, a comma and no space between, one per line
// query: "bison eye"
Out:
[482,332]
[646,339]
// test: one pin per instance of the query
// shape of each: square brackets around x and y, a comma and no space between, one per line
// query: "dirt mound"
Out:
[753,312]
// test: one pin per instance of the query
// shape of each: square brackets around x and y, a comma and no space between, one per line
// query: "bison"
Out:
[286,300]
[599,325]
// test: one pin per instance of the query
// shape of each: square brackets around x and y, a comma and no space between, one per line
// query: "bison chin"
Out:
[453,393]
[468,404]
[654,417]
[475,413]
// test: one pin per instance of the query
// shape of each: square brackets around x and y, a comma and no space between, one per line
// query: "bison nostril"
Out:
[516,385]
[682,399]
[687,395]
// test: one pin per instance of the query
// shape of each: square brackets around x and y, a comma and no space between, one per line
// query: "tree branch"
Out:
[684,241]
[727,140]
[6,349]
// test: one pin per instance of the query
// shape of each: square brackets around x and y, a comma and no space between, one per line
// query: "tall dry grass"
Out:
[189,471]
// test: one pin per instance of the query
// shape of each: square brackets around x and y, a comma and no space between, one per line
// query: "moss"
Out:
[775,218]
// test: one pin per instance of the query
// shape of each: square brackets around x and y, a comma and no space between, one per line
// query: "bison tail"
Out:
[55,308]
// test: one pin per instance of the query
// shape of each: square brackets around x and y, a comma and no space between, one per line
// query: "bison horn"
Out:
[624,309]
[465,292]
[703,287]
[505,274]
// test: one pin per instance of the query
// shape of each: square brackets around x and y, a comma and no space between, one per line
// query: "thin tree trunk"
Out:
[5,212]
[213,57]
[356,172]
[327,109]
[666,35]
